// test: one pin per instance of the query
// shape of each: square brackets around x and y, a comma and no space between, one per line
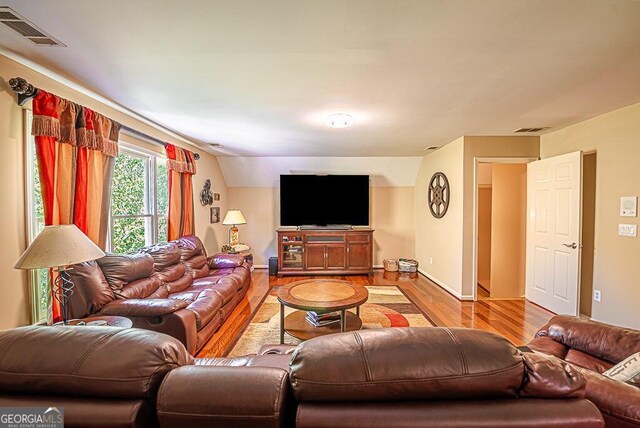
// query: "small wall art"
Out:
[215,214]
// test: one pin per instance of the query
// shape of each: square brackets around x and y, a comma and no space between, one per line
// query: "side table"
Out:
[112,321]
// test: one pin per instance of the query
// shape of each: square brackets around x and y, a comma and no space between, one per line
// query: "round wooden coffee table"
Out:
[321,296]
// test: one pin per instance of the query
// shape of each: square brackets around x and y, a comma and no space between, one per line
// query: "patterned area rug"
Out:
[387,306]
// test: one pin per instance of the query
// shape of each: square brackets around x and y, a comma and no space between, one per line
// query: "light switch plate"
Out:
[628,230]
[628,206]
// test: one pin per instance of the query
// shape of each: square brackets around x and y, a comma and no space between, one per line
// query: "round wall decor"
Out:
[438,197]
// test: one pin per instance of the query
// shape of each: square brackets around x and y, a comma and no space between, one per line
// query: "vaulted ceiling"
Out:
[259,76]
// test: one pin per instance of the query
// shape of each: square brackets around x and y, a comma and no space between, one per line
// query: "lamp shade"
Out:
[234,217]
[59,246]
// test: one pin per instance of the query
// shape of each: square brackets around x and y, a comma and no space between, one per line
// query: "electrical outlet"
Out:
[430,260]
[597,295]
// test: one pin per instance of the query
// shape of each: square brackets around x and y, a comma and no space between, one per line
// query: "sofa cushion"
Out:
[226,289]
[205,307]
[91,291]
[604,341]
[615,399]
[193,255]
[406,364]
[223,260]
[588,361]
[164,255]
[139,289]
[120,269]
[93,361]
[627,370]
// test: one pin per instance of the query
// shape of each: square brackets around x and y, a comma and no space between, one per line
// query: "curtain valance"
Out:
[180,160]
[74,124]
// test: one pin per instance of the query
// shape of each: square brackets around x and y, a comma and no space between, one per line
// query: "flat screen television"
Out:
[323,200]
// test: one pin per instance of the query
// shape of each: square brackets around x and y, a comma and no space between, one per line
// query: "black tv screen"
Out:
[321,200]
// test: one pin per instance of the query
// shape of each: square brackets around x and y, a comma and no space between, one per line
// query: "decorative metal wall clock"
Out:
[439,194]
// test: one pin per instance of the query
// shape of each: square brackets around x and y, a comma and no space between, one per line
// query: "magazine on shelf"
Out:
[320,320]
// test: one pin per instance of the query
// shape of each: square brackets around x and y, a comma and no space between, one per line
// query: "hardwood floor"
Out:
[516,319]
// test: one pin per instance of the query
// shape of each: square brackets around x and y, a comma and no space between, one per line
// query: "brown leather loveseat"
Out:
[591,348]
[172,288]
[396,377]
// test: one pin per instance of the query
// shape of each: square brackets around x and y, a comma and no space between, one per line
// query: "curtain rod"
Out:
[26,91]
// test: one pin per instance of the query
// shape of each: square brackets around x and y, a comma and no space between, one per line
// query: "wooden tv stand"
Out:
[325,252]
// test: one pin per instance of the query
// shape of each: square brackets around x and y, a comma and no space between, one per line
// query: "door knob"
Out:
[572,245]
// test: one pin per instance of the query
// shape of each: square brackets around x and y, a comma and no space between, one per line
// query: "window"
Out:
[38,279]
[139,200]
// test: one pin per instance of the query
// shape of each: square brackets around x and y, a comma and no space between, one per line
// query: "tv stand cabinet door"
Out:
[336,257]
[315,257]
[359,256]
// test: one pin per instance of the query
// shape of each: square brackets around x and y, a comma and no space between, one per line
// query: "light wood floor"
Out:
[516,319]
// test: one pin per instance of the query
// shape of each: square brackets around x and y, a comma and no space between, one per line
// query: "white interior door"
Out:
[554,192]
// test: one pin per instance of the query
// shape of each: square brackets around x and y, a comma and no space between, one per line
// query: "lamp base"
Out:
[62,291]
[233,236]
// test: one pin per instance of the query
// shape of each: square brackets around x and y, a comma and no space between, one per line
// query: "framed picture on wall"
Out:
[216,196]
[215,214]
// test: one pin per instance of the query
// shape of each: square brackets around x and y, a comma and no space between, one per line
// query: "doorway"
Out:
[501,203]
[588,232]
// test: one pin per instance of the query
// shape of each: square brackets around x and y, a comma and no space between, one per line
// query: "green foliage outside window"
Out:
[132,216]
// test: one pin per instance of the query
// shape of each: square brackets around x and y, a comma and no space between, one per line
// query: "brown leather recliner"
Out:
[172,288]
[591,348]
[107,376]
[395,377]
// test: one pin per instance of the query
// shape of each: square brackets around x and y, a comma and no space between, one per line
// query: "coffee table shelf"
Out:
[320,295]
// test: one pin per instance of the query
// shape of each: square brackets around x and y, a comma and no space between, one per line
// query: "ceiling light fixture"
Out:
[339,120]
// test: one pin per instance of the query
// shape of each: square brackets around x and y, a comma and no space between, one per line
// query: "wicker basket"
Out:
[407,265]
[390,265]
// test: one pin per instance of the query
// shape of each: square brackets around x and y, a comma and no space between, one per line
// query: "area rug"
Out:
[387,306]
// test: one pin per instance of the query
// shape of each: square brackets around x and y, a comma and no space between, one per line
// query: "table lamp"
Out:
[59,247]
[233,218]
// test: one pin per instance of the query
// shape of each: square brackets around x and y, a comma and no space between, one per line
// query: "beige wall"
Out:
[484,237]
[15,304]
[391,217]
[616,137]
[438,242]
[508,231]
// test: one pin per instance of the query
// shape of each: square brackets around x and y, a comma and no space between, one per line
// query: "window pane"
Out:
[128,234]
[162,189]
[162,229]
[128,190]
[38,280]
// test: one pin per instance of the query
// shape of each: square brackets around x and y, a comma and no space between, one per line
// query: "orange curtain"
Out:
[181,165]
[76,150]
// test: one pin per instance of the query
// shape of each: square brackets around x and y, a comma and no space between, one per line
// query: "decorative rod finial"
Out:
[21,86]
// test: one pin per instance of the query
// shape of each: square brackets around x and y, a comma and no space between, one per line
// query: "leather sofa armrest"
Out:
[143,307]
[224,260]
[277,349]
[204,396]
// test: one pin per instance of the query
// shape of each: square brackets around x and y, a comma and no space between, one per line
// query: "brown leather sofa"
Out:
[404,377]
[591,348]
[172,288]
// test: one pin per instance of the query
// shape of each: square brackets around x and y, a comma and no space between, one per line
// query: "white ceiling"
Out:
[260,75]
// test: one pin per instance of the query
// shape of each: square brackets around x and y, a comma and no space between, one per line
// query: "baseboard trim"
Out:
[444,286]
[378,266]
[260,266]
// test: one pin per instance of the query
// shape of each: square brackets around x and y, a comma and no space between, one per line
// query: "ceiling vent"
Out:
[430,148]
[26,29]
[520,130]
